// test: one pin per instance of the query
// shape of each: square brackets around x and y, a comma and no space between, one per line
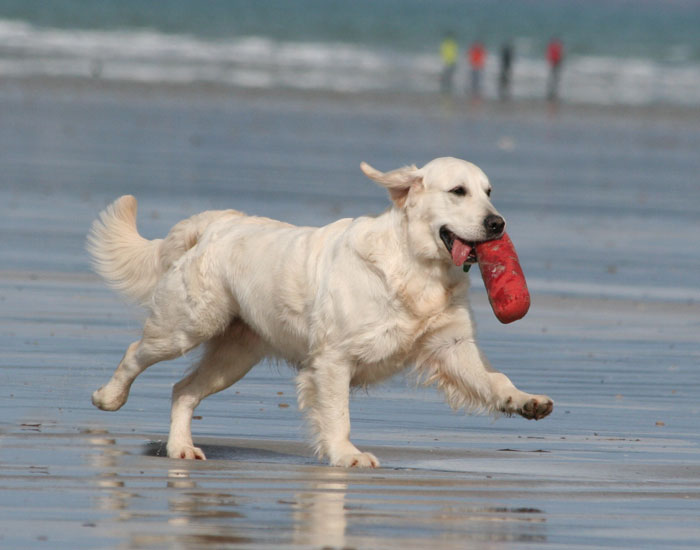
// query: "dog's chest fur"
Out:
[419,307]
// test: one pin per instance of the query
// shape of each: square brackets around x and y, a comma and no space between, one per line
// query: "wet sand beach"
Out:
[602,207]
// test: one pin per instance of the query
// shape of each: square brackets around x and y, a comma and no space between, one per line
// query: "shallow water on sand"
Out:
[602,208]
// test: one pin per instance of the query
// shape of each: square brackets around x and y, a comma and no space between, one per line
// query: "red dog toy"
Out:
[503,278]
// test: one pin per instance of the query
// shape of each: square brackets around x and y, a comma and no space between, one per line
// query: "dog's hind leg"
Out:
[186,310]
[227,358]
[158,343]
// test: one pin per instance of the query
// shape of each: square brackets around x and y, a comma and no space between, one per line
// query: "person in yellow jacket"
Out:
[449,52]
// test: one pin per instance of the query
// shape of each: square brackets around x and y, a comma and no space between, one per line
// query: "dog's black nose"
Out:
[494,224]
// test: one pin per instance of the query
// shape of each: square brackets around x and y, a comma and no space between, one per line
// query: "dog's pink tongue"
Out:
[460,252]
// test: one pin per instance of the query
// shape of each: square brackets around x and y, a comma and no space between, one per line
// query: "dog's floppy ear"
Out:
[398,182]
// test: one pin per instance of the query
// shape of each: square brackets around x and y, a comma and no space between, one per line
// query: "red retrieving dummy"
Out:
[504,279]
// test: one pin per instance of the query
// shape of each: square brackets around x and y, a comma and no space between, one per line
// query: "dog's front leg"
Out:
[453,361]
[324,391]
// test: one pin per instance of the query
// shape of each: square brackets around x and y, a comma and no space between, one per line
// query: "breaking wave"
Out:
[260,62]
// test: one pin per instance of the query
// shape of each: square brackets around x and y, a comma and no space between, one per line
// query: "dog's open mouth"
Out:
[461,251]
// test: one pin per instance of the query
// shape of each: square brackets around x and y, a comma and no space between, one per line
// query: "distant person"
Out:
[555,57]
[504,77]
[477,60]
[449,52]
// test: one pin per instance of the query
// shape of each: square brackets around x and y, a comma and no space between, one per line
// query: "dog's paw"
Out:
[357,460]
[536,408]
[109,400]
[532,407]
[186,452]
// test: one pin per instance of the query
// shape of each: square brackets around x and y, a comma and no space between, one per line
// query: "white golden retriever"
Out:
[348,304]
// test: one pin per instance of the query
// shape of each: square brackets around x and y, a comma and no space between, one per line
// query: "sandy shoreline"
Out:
[259,494]
[612,335]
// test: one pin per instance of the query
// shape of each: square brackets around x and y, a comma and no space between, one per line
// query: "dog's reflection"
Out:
[315,507]
[320,518]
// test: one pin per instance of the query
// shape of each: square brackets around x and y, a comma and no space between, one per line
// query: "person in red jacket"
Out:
[555,57]
[477,60]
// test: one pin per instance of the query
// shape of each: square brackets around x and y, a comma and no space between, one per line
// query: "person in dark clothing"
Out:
[504,77]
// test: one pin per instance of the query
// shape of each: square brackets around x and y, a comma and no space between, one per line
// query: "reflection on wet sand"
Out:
[319,512]
[192,505]
[198,518]
[106,462]
[322,516]
[192,508]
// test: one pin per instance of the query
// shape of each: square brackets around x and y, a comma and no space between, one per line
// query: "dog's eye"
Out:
[460,191]
[488,192]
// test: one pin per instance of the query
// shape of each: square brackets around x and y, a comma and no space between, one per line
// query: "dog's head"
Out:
[447,206]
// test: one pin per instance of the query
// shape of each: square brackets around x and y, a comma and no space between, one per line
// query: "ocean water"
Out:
[619,52]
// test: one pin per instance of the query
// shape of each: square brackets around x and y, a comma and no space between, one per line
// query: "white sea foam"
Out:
[260,62]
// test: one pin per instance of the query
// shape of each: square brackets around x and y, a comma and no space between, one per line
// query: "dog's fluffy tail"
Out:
[128,262]
[134,265]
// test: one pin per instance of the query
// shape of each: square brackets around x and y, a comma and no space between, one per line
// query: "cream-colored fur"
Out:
[348,304]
